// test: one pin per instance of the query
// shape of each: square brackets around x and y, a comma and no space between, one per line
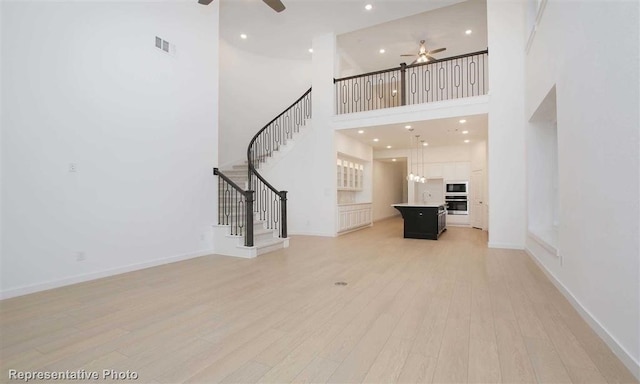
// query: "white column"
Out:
[506,162]
[323,158]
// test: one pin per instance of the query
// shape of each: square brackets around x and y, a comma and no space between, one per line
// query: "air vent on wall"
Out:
[165,46]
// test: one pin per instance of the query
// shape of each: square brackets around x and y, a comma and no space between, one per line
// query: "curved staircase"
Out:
[252,214]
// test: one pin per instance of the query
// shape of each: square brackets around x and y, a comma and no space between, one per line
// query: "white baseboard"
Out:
[506,246]
[355,229]
[616,348]
[305,233]
[27,289]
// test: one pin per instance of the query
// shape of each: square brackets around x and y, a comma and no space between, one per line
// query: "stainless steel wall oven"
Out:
[457,204]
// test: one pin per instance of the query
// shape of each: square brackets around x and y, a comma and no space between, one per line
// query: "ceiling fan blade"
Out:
[414,61]
[204,2]
[436,51]
[276,5]
[409,55]
[431,58]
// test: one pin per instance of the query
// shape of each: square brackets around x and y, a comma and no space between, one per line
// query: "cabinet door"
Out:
[463,171]
[356,177]
[339,173]
[345,174]
[449,171]
[343,224]
[434,171]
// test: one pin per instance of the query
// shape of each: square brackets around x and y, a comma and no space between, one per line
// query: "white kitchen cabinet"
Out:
[462,171]
[349,175]
[434,171]
[454,170]
[353,216]
[449,171]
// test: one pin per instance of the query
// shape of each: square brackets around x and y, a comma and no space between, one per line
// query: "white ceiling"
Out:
[440,28]
[395,25]
[440,132]
[289,34]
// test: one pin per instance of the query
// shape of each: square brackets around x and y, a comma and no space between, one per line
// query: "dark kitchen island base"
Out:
[423,221]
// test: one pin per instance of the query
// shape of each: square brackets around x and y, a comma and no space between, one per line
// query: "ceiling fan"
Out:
[276,5]
[424,56]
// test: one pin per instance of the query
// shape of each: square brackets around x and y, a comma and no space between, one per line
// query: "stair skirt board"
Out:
[231,245]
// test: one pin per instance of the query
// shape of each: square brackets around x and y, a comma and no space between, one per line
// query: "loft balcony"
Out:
[447,79]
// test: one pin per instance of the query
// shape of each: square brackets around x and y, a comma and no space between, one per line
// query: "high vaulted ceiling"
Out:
[440,28]
[289,34]
[396,26]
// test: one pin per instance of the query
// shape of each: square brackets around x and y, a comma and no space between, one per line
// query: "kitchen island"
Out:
[423,221]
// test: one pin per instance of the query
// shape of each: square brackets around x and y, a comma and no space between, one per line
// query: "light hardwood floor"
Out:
[414,311]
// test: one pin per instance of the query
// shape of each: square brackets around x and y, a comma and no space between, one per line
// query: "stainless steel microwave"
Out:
[456,187]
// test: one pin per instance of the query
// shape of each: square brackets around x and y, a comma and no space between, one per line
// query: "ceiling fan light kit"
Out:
[423,55]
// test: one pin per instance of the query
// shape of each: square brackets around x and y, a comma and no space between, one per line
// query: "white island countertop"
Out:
[431,205]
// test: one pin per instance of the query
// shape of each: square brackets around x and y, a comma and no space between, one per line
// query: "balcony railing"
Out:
[446,79]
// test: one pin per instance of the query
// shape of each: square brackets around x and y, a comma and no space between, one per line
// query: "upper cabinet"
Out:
[434,171]
[459,170]
[350,174]
[462,171]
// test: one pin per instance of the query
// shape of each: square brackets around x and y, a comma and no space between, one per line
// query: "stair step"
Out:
[265,239]
[271,245]
[257,223]
[234,171]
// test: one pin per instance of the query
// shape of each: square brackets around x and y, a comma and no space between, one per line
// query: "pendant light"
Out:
[411,176]
[422,179]
[418,177]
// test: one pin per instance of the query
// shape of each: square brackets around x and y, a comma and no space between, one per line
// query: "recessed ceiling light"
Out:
[394,160]
[463,121]
[382,50]
[388,147]
[425,144]
[465,132]
[407,127]
[466,141]
[468,32]
[243,36]
[368,7]
[376,140]
[310,50]
[361,131]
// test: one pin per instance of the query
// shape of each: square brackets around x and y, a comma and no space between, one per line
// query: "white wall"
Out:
[1,135]
[388,182]
[309,170]
[253,90]
[83,83]
[598,161]
[506,163]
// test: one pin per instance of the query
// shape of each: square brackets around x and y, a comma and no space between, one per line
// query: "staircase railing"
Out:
[270,203]
[235,208]
[446,79]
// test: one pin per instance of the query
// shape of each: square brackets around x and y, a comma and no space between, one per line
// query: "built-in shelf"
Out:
[349,174]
